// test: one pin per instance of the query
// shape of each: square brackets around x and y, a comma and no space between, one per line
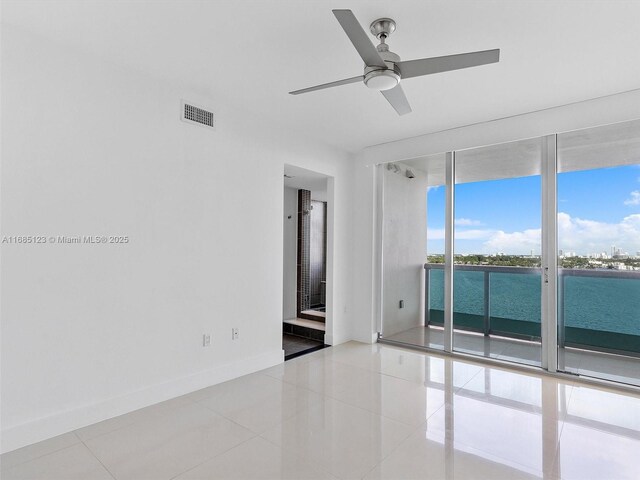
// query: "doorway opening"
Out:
[306,239]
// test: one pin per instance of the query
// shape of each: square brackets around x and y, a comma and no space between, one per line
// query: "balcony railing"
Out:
[597,309]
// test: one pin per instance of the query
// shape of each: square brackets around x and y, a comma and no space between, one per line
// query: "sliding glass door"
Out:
[599,252]
[497,252]
[531,251]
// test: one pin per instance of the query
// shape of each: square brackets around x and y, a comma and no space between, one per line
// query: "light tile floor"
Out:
[359,411]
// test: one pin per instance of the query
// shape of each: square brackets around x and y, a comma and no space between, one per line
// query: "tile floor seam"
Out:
[212,457]
[412,429]
[518,463]
[240,425]
[134,422]
[229,419]
[45,454]
[397,378]
[557,440]
[303,387]
[616,434]
[463,443]
[203,399]
[564,419]
[312,463]
[99,461]
[499,457]
[555,458]
[310,389]
[338,362]
[411,425]
[329,396]
[104,433]
[455,390]
[393,450]
[339,401]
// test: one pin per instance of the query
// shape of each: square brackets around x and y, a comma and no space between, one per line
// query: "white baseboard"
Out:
[333,340]
[66,421]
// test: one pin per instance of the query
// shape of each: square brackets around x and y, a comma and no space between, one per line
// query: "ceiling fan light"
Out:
[382,80]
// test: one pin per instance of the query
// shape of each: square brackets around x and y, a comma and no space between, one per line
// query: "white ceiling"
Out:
[251,53]
[315,182]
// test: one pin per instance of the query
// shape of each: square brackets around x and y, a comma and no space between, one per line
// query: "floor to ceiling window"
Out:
[599,252]
[434,274]
[497,248]
[499,221]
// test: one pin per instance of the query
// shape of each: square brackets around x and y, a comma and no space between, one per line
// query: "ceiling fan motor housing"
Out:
[383,78]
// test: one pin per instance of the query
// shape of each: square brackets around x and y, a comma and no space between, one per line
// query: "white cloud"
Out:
[634,199]
[589,236]
[467,222]
[478,234]
[574,234]
[515,242]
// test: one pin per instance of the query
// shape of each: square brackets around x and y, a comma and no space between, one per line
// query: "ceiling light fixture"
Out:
[381,79]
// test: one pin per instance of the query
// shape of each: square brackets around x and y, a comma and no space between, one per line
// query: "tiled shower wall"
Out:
[317,256]
[304,232]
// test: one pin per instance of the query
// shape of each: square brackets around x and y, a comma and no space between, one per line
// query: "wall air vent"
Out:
[192,114]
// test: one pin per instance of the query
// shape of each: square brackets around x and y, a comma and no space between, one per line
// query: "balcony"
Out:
[597,309]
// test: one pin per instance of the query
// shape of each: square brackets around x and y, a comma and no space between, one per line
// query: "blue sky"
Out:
[598,208]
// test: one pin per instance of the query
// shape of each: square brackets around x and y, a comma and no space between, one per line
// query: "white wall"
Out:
[404,249]
[363,261]
[93,331]
[289,291]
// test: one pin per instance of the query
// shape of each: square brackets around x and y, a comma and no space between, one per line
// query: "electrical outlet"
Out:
[234,334]
[401,304]
[206,340]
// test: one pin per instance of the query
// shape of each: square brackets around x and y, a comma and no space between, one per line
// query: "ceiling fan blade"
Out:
[397,99]
[346,81]
[359,38]
[427,66]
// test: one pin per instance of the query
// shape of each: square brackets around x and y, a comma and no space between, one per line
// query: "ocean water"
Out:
[604,304]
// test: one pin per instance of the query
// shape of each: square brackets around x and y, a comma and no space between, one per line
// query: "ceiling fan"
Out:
[383,69]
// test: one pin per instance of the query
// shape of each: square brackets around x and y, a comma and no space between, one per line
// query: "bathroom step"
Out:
[304,328]
[313,315]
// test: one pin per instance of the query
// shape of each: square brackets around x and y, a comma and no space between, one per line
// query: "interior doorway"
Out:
[306,260]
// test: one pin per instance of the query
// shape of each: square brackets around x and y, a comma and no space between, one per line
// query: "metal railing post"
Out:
[427,300]
[487,305]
